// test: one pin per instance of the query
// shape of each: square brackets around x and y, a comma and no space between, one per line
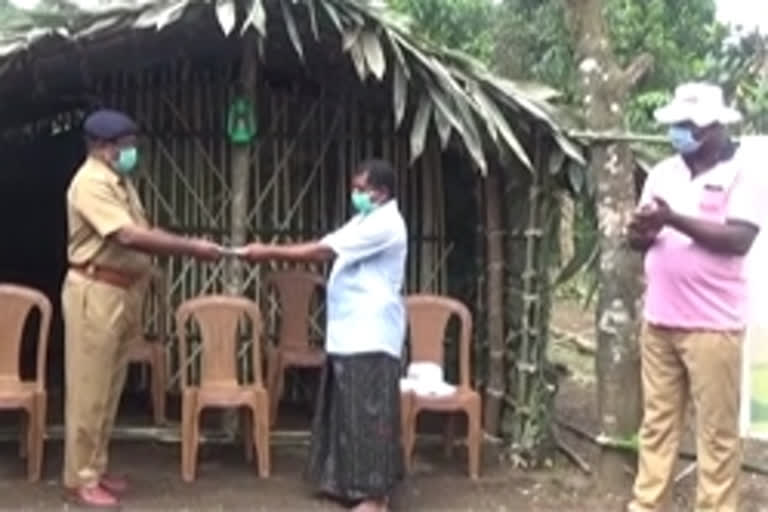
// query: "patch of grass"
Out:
[759,397]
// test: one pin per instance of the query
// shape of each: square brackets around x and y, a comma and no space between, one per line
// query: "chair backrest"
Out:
[218,318]
[295,290]
[16,303]
[428,317]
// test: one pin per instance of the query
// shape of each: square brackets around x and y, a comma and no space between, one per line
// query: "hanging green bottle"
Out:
[241,121]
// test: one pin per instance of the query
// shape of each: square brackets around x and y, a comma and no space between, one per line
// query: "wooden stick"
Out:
[689,469]
[571,454]
[684,454]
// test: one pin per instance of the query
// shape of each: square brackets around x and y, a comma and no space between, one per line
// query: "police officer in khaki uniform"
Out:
[109,249]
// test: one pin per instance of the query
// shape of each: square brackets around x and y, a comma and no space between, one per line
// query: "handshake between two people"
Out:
[207,250]
[160,242]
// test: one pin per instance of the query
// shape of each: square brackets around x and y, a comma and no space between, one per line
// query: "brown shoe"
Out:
[114,484]
[94,496]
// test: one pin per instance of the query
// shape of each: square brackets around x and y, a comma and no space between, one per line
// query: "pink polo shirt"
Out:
[688,286]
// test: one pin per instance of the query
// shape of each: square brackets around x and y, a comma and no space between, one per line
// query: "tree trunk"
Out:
[494,391]
[606,88]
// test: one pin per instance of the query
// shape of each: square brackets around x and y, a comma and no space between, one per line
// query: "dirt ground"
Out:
[576,404]
[226,482]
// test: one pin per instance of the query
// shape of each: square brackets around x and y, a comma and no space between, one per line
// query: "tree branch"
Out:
[636,70]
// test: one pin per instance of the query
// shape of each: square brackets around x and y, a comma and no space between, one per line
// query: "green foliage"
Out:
[533,43]
[682,35]
[529,40]
[465,25]
[743,71]
[687,43]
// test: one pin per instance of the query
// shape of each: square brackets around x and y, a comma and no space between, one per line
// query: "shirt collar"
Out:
[388,205]
[102,168]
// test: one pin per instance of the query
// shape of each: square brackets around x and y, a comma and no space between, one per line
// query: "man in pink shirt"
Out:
[699,213]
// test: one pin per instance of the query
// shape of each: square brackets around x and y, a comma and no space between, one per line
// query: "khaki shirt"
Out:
[100,203]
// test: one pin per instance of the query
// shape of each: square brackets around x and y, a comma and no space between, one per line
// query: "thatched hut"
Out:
[329,82]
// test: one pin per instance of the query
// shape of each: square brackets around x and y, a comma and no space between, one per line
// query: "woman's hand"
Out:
[253,252]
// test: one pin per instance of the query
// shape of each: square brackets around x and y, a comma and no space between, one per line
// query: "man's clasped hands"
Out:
[648,221]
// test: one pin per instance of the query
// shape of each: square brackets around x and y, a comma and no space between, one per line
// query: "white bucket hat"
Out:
[700,103]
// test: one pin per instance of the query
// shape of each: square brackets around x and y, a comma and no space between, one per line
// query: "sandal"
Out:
[94,496]
[113,484]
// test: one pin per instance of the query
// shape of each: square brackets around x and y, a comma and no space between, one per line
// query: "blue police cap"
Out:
[108,124]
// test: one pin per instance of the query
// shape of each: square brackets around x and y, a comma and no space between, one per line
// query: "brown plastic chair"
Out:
[150,350]
[428,317]
[16,303]
[295,289]
[218,318]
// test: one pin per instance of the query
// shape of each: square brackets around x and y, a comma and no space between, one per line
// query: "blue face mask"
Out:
[127,160]
[683,140]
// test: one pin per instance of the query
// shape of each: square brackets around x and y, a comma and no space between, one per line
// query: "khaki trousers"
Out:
[101,321]
[705,366]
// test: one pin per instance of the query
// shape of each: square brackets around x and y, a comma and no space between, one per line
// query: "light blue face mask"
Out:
[683,140]
[127,160]
[363,202]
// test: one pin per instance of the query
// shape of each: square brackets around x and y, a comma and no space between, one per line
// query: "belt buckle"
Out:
[90,270]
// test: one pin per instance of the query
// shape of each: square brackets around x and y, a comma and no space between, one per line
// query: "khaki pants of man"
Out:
[100,321]
[705,366]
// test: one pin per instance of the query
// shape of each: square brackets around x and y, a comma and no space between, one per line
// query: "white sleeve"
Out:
[360,239]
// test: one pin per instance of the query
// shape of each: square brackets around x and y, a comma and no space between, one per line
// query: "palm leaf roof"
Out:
[439,88]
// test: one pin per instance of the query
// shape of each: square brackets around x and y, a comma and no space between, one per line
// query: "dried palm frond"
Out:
[446,90]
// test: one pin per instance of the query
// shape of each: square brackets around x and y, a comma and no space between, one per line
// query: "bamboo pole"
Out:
[427,222]
[240,171]
[494,390]
[479,255]
[531,235]
[240,176]
[618,137]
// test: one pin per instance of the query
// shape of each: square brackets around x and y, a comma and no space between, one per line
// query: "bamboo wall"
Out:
[300,169]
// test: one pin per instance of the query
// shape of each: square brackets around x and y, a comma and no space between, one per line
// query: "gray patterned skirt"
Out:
[355,452]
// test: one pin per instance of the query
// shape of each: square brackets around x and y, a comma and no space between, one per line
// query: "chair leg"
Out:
[272,361]
[449,435]
[38,422]
[474,439]
[189,438]
[158,385]
[409,437]
[276,385]
[405,414]
[260,433]
[246,430]
[31,443]
[24,426]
